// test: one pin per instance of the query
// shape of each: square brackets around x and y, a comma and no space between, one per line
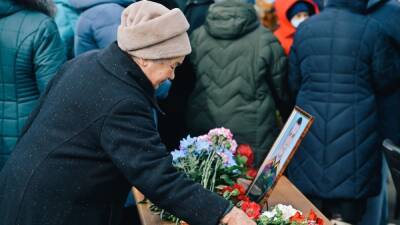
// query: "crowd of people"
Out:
[90,104]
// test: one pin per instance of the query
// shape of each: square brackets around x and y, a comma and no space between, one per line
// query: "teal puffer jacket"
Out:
[66,19]
[31,51]
[238,66]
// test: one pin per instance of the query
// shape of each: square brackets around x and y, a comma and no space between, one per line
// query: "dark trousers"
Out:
[130,216]
[350,211]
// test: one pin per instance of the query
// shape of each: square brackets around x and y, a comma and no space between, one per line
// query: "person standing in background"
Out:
[387,14]
[240,69]
[94,31]
[31,52]
[291,13]
[340,62]
[267,14]
[65,18]
[195,11]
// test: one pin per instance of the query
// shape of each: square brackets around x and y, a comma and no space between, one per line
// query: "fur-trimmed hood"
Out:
[8,7]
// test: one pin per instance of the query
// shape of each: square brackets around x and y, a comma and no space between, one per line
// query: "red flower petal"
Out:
[245,150]
[252,209]
[252,173]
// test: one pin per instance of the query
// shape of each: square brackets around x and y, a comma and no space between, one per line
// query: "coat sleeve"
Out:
[277,64]
[294,78]
[385,65]
[84,40]
[49,53]
[130,138]
[105,30]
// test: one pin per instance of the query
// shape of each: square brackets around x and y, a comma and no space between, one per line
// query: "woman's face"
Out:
[160,70]
[299,18]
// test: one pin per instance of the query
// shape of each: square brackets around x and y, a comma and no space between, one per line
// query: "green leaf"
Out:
[227,180]
[241,160]
[235,192]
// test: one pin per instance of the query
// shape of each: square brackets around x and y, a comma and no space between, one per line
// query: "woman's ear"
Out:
[141,62]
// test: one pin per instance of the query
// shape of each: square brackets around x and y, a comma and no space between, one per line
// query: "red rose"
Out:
[252,209]
[245,150]
[240,188]
[297,218]
[252,173]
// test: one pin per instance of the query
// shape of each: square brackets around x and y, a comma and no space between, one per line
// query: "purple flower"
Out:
[202,146]
[227,158]
[178,154]
[187,142]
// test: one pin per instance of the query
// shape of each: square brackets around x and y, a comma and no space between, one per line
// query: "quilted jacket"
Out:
[94,31]
[239,66]
[387,14]
[31,51]
[340,61]
[65,19]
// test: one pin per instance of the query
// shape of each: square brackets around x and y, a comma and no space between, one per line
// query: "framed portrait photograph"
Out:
[280,154]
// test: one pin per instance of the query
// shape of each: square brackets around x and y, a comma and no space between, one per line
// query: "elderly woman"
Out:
[93,135]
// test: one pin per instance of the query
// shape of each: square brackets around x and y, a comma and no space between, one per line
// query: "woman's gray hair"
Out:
[45,6]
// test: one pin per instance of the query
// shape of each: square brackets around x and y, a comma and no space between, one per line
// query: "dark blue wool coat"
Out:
[93,137]
[340,61]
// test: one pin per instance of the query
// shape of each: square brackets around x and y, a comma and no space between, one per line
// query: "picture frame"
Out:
[282,151]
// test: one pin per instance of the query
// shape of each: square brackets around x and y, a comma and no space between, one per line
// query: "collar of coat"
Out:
[120,65]
[359,6]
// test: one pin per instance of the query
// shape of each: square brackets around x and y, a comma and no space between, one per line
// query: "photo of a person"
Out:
[278,156]
[291,139]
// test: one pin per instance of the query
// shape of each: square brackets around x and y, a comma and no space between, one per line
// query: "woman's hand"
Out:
[237,217]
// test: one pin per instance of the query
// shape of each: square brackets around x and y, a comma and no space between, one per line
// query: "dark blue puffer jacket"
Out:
[387,14]
[340,60]
[98,23]
[320,4]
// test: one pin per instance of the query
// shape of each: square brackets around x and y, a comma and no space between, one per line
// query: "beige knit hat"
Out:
[149,30]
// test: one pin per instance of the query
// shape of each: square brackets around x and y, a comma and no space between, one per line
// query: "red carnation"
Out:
[298,218]
[252,173]
[312,215]
[245,150]
[320,221]
[240,188]
[243,198]
[252,209]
